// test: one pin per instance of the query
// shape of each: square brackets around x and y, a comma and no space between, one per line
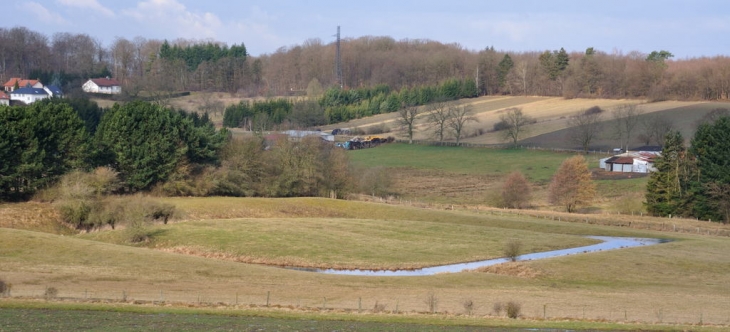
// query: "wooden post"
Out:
[268,294]
[359,304]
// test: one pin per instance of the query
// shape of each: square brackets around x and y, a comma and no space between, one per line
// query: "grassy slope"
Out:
[683,115]
[450,175]
[678,278]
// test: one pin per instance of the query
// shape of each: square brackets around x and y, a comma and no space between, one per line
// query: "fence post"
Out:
[324,304]
[359,304]
[268,294]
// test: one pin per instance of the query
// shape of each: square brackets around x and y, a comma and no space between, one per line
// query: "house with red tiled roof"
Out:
[102,85]
[10,85]
[4,98]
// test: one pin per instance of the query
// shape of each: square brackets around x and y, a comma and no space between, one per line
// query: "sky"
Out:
[687,29]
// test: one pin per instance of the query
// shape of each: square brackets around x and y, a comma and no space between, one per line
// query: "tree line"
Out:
[150,148]
[149,64]
[694,181]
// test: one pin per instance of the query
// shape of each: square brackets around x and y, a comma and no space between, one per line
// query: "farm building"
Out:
[636,162]
[299,134]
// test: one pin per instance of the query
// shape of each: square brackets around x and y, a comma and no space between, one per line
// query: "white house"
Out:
[102,85]
[53,91]
[28,95]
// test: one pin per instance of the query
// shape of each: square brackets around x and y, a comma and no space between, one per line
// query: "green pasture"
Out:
[347,243]
[538,166]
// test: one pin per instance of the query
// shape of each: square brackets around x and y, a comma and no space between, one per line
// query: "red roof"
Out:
[623,160]
[105,82]
[3,95]
[21,82]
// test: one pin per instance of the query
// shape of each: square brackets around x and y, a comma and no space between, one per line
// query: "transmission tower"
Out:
[338,60]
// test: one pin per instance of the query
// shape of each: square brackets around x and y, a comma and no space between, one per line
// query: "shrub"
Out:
[76,213]
[593,110]
[431,302]
[497,308]
[379,307]
[501,125]
[513,309]
[512,249]
[516,191]
[4,288]
[468,305]
[50,293]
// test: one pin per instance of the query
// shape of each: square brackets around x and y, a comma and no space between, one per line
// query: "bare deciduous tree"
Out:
[572,185]
[585,127]
[625,119]
[515,123]
[458,117]
[407,120]
[438,117]
[655,128]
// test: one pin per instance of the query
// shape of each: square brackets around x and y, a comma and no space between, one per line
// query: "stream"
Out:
[609,243]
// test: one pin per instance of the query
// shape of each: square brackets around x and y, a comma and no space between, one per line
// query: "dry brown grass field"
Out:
[684,281]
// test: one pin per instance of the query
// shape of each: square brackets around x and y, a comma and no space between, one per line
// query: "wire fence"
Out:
[503,146]
[427,304]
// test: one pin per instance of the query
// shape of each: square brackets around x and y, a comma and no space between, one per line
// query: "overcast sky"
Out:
[691,28]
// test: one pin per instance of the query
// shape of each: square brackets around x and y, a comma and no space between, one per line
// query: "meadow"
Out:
[682,282]
[219,263]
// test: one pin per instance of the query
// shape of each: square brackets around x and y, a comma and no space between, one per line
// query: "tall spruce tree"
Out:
[667,186]
[711,187]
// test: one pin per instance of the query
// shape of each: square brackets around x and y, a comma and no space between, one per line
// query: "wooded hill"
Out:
[147,64]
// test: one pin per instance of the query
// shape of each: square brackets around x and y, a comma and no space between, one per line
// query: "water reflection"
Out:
[608,243]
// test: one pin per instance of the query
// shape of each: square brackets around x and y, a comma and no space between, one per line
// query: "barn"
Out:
[636,162]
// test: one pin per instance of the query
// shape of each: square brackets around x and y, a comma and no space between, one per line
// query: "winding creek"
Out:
[608,243]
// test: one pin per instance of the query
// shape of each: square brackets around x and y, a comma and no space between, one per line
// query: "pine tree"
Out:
[711,187]
[667,185]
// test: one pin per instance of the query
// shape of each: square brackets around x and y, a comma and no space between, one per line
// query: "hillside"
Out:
[551,114]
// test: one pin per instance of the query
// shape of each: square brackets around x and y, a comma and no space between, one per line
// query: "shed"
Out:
[620,164]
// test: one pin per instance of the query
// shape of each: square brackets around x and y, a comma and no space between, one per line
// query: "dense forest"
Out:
[191,65]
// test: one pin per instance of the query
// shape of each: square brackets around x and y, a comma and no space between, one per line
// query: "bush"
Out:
[431,302]
[379,307]
[516,191]
[501,125]
[51,292]
[76,213]
[513,309]
[4,288]
[468,306]
[512,249]
[497,308]
[593,110]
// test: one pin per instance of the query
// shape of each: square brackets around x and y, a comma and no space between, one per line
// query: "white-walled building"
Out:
[28,95]
[636,162]
[102,85]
